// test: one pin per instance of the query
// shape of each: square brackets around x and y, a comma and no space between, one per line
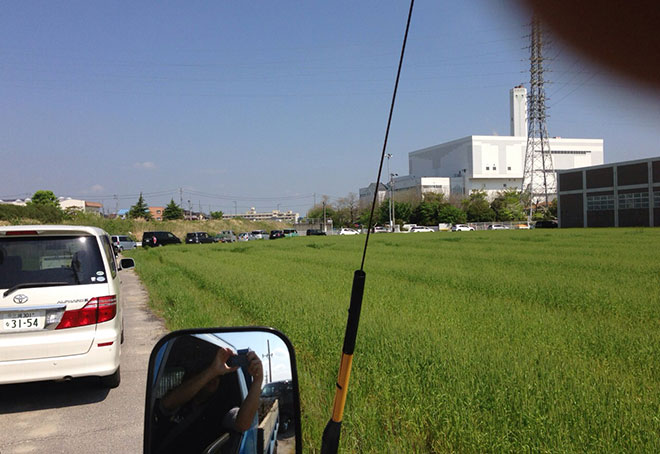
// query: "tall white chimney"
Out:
[518,111]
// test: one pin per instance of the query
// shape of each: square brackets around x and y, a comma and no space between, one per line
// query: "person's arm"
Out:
[187,390]
[250,405]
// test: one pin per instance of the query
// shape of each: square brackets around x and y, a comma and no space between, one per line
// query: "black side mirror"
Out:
[126,263]
[216,390]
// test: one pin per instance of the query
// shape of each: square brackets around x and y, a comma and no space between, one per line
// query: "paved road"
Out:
[78,416]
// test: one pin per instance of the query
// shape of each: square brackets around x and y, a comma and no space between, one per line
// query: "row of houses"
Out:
[85,206]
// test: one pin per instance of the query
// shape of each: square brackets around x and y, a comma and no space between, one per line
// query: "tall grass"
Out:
[499,341]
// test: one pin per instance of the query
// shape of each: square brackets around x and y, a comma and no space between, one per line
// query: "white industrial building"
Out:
[491,163]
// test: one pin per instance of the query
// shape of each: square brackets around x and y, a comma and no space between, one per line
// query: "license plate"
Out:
[23,321]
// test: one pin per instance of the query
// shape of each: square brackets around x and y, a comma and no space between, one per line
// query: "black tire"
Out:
[111,381]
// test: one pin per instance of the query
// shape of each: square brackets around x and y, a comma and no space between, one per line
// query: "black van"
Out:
[153,239]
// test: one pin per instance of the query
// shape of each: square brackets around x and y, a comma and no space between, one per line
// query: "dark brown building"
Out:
[622,194]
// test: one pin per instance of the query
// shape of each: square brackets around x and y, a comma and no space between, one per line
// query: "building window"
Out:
[600,202]
[508,168]
[656,199]
[494,168]
[505,185]
[634,200]
[487,168]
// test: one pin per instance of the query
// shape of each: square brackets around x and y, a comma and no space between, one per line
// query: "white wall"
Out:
[444,160]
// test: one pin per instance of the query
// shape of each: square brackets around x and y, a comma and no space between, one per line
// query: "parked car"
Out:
[380,229]
[123,242]
[421,229]
[523,226]
[259,234]
[548,224]
[497,227]
[462,228]
[245,236]
[347,231]
[315,232]
[226,236]
[198,238]
[274,234]
[283,392]
[61,310]
[290,232]
[154,239]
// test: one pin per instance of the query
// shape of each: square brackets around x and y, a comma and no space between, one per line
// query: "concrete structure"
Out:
[411,187]
[80,205]
[518,110]
[490,163]
[622,194]
[275,215]
[156,213]
[494,163]
[367,195]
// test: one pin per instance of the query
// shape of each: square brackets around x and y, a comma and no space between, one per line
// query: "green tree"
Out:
[477,208]
[402,212]
[424,214]
[172,211]
[140,210]
[449,214]
[316,212]
[552,210]
[45,198]
[216,214]
[508,205]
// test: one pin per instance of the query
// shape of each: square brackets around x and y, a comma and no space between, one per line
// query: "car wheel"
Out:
[111,381]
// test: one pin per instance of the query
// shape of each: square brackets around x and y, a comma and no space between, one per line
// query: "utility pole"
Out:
[325,224]
[189,210]
[538,176]
[392,206]
[270,369]
[116,204]
[181,197]
[389,210]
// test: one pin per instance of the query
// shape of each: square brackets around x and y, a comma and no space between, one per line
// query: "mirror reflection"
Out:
[222,392]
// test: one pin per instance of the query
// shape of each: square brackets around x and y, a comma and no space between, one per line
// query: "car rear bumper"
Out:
[102,359]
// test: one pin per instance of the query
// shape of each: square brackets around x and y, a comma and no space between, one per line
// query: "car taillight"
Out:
[96,310]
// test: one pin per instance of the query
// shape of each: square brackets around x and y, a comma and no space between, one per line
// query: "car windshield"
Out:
[270,390]
[71,259]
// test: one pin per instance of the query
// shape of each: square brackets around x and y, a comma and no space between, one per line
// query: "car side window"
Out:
[109,255]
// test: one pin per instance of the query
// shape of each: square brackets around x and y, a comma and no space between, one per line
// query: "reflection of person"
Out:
[202,408]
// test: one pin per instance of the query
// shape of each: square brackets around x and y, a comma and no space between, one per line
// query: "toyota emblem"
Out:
[20,299]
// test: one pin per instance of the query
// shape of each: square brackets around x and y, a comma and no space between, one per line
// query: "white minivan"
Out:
[60,306]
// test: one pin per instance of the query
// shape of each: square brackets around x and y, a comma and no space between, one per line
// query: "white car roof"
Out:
[54,229]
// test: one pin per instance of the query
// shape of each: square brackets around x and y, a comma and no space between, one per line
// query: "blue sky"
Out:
[268,103]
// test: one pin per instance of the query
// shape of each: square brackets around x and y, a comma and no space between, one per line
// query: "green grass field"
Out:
[498,341]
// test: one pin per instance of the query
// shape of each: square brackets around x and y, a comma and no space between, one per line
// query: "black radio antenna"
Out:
[330,440]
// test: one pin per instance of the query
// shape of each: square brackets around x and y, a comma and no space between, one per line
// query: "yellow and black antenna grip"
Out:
[330,440]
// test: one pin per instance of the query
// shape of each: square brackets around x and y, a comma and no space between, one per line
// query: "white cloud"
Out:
[97,188]
[147,165]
